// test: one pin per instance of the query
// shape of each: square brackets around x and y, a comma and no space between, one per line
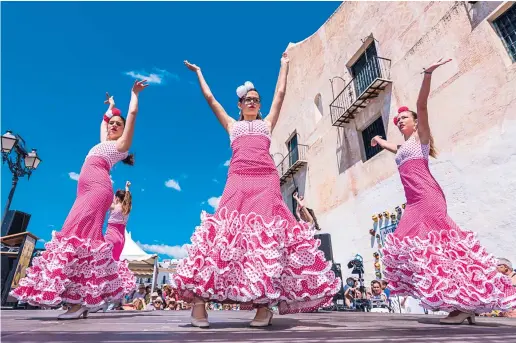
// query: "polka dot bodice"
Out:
[116,216]
[254,127]
[412,149]
[108,151]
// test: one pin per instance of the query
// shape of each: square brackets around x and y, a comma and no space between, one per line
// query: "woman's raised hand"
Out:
[138,86]
[191,66]
[109,99]
[436,65]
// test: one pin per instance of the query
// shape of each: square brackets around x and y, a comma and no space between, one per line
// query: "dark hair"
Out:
[433,150]
[376,282]
[258,116]
[129,160]
[316,224]
[126,199]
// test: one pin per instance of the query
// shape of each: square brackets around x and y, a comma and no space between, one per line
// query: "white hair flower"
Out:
[242,90]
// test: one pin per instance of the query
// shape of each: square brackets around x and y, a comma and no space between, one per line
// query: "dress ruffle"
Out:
[450,270]
[127,277]
[241,258]
[72,270]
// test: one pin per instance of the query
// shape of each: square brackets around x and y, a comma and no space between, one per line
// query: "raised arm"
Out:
[423,127]
[124,142]
[279,96]
[104,126]
[377,140]
[224,119]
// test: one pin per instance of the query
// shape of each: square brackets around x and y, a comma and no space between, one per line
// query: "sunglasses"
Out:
[249,100]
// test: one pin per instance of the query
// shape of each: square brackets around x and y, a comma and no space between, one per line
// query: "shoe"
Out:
[103,307]
[200,323]
[257,323]
[459,318]
[82,312]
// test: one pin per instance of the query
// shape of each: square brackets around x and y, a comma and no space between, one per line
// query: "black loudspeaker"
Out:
[325,245]
[15,222]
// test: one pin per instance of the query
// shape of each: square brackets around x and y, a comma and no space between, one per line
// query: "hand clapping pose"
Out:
[78,265]
[430,257]
[252,251]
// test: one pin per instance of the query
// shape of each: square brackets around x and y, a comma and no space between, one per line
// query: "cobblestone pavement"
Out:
[232,326]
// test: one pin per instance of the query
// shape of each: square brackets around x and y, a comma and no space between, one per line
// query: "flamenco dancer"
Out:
[78,265]
[430,257]
[115,235]
[252,251]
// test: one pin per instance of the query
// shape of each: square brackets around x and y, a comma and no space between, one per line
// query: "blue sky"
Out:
[59,59]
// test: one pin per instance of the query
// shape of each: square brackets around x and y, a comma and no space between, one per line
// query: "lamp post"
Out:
[20,163]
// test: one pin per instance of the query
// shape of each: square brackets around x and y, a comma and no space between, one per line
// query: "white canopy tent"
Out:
[140,263]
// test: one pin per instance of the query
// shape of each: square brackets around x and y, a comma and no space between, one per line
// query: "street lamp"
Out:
[21,163]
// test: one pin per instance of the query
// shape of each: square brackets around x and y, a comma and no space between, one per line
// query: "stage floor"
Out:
[23,326]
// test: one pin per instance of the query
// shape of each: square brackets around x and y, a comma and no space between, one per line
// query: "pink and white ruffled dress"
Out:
[252,250]
[115,235]
[430,257]
[77,266]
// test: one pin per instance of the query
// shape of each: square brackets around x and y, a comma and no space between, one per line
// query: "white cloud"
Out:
[215,180]
[226,164]
[214,202]
[143,189]
[111,178]
[157,76]
[174,251]
[42,240]
[173,184]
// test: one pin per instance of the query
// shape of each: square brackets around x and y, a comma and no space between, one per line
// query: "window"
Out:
[375,129]
[318,108]
[366,69]
[505,26]
[294,203]
[293,152]
[164,280]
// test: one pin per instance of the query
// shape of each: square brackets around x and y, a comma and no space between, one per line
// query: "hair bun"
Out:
[116,112]
[242,90]
[402,109]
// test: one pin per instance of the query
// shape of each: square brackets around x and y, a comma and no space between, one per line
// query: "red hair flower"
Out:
[116,112]
[111,113]
[400,110]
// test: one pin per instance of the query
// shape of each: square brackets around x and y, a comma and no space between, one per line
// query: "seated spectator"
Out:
[156,304]
[171,305]
[140,294]
[385,289]
[378,298]
[352,293]
[504,267]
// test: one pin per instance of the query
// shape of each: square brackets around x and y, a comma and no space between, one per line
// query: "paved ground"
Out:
[231,326]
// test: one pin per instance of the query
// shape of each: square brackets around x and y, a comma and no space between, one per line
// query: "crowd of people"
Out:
[253,251]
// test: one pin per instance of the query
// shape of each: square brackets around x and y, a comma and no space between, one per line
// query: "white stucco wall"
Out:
[479,182]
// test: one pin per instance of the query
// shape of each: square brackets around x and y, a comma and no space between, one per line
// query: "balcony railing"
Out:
[367,84]
[295,159]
